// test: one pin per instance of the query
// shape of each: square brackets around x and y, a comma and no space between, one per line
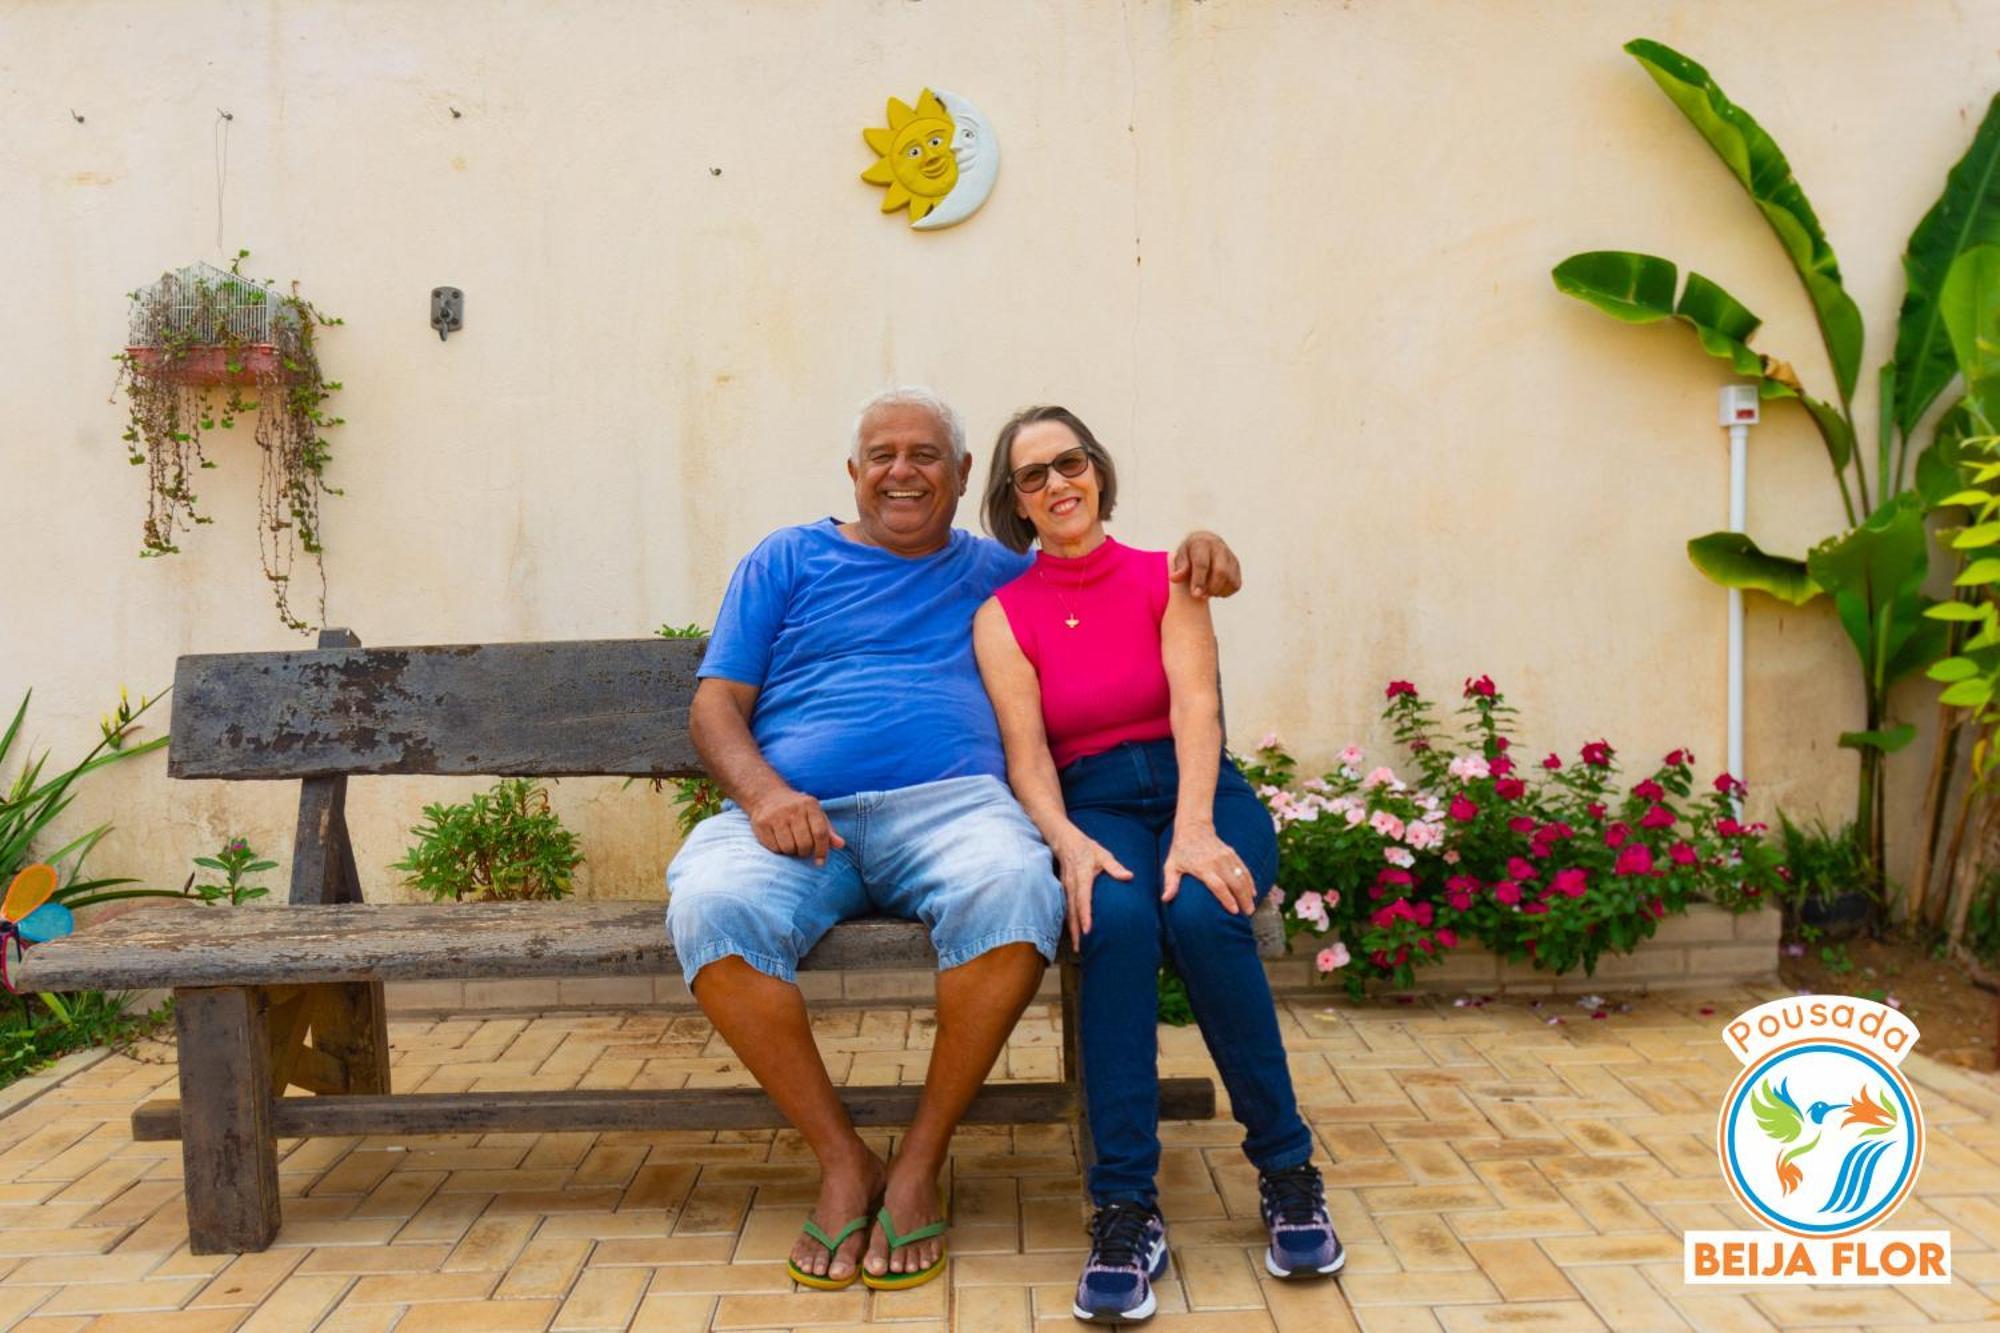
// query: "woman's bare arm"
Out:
[1187,648]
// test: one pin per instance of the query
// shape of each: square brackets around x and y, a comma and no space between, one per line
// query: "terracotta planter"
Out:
[211,365]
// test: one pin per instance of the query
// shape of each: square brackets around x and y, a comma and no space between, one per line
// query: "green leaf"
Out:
[1734,561]
[1967,694]
[1956,611]
[1938,466]
[1953,669]
[1969,306]
[1759,165]
[1875,573]
[1973,498]
[1983,534]
[1979,572]
[1888,740]
[1966,214]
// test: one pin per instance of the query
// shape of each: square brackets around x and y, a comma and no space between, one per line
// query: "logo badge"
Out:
[1820,1139]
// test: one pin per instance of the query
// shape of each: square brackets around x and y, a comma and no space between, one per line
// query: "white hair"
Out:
[911,395]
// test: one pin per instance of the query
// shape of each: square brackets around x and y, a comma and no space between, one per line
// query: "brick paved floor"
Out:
[1487,1168]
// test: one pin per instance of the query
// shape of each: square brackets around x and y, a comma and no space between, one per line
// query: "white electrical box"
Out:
[1738,406]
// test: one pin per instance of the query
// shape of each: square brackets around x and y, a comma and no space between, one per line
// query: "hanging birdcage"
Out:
[206,325]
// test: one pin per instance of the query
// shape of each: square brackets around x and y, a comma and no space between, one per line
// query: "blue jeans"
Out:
[1124,798]
[958,855]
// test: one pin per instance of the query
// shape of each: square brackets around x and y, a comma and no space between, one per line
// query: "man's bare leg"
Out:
[764,1021]
[978,1005]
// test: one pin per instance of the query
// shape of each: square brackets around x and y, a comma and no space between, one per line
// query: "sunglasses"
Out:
[1071,463]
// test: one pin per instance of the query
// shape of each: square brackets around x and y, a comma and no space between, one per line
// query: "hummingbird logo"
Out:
[1778,1115]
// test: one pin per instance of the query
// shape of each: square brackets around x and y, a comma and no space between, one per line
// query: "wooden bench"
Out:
[275,1001]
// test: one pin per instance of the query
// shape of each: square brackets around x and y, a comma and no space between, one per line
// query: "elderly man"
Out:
[840,709]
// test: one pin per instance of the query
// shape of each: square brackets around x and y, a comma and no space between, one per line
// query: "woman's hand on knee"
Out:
[1200,853]
[1080,859]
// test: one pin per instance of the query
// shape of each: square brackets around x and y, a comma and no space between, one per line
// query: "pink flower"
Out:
[1355,814]
[1310,907]
[1462,810]
[1399,856]
[1331,898]
[1500,765]
[1522,824]
[1615,835]
[1649,790]
[1270,741]
[1421,834]
[1507,892]
[1332,957]
[1468,767]
[1683,855]
[1380,777]
[1386,824]
[1351,756]
[1657,816]
[1552,761]
[1397,687]
[1598,754]
[1482,688]
[1510,789]
[1519,869]
[1451,856]
[1571,882]
[1729,786]
[1634,860]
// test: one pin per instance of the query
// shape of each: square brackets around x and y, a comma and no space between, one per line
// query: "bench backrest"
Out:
[614,707]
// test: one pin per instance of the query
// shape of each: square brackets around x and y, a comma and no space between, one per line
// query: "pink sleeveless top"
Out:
[1103,680]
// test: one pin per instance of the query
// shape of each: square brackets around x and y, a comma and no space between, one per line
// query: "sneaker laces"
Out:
[1119,1235]
[1294,1194]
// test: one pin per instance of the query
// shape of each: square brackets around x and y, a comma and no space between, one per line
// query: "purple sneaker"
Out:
[1128,1252]
[1303,1243]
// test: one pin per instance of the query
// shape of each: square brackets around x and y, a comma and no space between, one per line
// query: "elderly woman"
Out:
[1103,676]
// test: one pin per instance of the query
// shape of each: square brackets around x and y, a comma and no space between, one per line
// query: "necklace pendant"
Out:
[1072,622]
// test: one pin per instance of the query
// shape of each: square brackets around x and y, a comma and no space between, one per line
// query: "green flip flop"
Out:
[818,1281]
[903,1281]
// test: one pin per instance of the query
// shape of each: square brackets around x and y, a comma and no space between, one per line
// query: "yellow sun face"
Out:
[916,161]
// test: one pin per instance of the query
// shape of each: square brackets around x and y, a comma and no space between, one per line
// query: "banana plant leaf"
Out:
[1968,306]
[1966,215]
[1759,165]
[1641,289]
[1888,740]
[1875,574]
[1939,474]
[1734,561]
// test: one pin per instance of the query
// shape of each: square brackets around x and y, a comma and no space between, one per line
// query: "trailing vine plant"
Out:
[203,330]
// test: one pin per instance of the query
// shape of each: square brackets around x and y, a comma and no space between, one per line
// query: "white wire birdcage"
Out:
[204,304]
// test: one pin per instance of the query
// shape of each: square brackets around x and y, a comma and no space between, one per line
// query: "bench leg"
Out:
[1072,1062]
[228,1150]
[351,1024]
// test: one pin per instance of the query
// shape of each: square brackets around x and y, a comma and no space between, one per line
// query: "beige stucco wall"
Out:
[1290,259]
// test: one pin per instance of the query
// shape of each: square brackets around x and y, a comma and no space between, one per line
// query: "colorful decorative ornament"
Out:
[27,915]
[938,158]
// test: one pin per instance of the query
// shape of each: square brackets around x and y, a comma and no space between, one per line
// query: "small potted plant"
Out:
[201,329]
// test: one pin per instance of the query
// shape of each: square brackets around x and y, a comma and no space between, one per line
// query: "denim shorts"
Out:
[958,855]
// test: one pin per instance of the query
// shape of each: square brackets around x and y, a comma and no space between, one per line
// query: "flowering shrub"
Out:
[1546,859]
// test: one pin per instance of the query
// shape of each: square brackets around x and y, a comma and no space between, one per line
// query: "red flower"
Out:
[1552,761]
[1657,817]
[1463,810]
[1519,869]
[1649,790]
[1424,942]
[1392,875]
[1397,687]
[1510,789]
[1534,909]
[1571,882]
[1728,827]
[1522,824]
[1507,892]
[1657,909]
[1729,786]
[1423,914]
[1634,860]
[1595,809]
[1482,688]
[1402,955]
[1598,754]
[1556,829]
[1448,937]
[1380,958]
[1678,759]
[1500,766]
[1501,742]
[1683,855]
[1615,835]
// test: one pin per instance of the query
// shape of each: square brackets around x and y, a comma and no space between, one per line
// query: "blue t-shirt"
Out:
[862,658]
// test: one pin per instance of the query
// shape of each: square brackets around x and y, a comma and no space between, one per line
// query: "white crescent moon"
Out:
[978,154]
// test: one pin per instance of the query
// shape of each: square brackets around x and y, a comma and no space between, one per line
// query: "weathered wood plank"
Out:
[228,1151]
[600,1111]
[408,942]
[560,709]
[351,1027]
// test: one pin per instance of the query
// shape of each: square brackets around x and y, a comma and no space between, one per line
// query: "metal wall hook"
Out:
[447,311]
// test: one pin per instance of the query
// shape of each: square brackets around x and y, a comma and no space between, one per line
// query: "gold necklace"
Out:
[1072,622]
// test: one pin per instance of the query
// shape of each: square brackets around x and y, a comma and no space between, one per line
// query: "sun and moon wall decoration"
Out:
[939,158]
